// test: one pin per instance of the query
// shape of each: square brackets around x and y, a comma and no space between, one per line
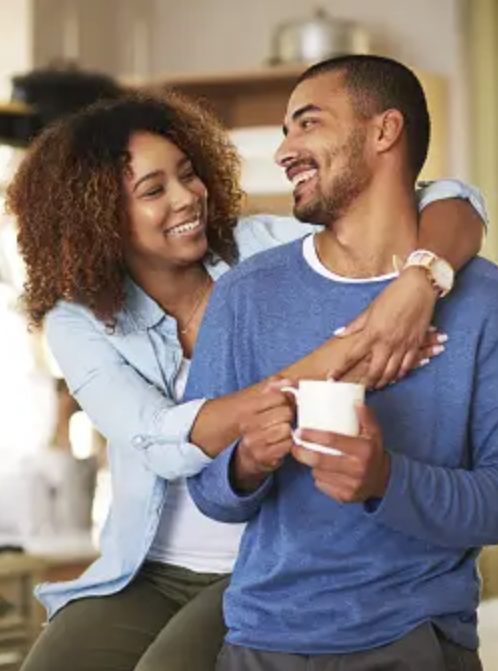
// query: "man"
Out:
[364,561]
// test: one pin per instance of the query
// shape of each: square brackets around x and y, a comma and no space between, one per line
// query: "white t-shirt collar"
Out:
[311,258]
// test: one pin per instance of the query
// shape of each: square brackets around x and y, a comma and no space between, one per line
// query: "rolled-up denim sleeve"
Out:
[442,189]
[130,412]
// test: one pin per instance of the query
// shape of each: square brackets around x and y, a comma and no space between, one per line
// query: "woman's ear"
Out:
[389,128]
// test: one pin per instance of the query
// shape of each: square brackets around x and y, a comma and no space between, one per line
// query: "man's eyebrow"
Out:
[299,113]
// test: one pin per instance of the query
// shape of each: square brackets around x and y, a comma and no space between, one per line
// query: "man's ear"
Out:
[388,129]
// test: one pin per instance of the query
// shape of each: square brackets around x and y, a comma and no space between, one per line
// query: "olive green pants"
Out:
[167,619]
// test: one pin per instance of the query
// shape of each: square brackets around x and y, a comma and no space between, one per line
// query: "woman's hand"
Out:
[393,335]
[359,372]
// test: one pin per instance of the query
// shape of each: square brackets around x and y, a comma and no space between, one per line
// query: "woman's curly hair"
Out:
[68,197]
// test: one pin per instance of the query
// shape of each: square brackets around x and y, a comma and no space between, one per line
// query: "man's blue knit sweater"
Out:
[316,576]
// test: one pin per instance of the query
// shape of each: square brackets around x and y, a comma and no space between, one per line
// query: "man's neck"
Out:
[380,224]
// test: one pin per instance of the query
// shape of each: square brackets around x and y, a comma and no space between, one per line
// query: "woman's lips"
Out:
[188,228]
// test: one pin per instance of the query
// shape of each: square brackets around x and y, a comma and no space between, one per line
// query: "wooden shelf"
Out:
[246,98]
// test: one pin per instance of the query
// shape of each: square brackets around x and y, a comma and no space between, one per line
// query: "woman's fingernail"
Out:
[432,329]
[339,331]
[438,349]
[423,362]
[442,337]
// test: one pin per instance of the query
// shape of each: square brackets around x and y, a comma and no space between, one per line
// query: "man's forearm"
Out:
[452,508]
[451,229]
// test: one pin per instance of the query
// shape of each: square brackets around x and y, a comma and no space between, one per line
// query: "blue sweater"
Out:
[316,576]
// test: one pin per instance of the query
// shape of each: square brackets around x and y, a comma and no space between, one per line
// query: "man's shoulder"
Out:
[474,297]
[480,275]
[270,263]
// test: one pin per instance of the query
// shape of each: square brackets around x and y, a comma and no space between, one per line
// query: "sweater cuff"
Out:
[215,496]
[228,495]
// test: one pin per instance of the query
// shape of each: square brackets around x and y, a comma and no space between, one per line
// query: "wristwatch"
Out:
[440,272]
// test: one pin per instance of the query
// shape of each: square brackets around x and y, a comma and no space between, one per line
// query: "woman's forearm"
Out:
[451,229]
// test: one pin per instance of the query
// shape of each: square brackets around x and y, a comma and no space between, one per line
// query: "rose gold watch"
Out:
[440,272]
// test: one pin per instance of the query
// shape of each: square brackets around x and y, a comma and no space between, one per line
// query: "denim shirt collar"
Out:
[145,313]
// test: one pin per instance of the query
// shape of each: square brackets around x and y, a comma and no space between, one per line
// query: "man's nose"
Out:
[285,153]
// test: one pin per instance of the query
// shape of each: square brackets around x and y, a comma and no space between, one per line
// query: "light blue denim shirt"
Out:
[124,381]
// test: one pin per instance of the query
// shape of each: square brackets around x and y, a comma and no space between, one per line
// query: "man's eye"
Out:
[307,123]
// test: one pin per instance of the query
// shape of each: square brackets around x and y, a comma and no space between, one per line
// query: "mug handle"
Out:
[291,390]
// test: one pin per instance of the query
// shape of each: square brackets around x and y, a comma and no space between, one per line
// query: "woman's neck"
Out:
[173,289]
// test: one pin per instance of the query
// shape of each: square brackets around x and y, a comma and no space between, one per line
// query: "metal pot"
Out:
[316,39]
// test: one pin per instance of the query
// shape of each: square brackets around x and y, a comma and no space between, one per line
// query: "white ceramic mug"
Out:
[327,406]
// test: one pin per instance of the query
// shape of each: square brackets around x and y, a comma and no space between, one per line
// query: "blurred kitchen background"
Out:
[243,57]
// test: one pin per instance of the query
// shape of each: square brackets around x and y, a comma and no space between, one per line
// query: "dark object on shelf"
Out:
[11,548]
[41,96]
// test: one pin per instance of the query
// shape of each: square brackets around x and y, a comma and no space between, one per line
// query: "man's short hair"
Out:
[377,84]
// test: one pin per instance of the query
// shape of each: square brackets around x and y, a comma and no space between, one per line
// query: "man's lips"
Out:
[300,173]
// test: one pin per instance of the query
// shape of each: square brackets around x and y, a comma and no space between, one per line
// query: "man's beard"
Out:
[325,208]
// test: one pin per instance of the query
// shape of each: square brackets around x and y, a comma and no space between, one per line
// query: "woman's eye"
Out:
[188,175]
[154,191]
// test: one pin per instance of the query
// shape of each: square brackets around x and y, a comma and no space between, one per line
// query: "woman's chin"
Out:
[193,251]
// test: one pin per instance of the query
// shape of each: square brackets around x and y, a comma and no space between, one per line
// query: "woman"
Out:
[127,214]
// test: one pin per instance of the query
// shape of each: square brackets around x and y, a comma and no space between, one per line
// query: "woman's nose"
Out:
[181,196]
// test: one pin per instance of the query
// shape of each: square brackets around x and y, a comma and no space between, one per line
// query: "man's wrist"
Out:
[245,476]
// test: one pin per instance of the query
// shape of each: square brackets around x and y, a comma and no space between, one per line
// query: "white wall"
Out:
[211,35]
[220,34]
[15,41]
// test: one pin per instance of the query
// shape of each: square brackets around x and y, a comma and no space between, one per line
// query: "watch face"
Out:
[443,274]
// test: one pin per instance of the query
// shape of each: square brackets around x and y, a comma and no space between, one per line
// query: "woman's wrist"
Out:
[218,423]
[417,276]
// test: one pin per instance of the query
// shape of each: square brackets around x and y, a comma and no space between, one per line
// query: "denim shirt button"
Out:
[140,442]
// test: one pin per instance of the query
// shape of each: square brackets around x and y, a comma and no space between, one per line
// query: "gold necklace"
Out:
[196,307]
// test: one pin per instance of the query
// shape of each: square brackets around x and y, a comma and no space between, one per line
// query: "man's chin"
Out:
[309,213]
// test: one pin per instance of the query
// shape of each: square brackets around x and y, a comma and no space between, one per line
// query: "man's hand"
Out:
[393,329]
[266,430]
[360,473]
